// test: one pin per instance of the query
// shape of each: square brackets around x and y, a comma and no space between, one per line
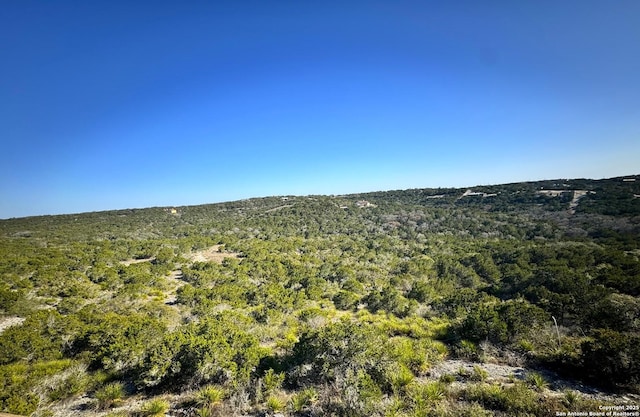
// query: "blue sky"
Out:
[121,104]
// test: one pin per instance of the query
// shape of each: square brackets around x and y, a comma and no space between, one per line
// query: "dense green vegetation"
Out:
[324,305]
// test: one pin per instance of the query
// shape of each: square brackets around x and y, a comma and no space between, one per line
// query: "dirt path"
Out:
[211,254]
[175,279]
[577,195]
[136,261]
[279,208]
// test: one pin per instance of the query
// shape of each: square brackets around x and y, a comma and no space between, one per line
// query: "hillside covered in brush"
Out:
[515,299]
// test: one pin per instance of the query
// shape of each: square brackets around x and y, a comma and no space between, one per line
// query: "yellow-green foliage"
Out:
[275,403]
[513,399]
[537,381]
[118,414]
[110,395]
[210,395]
[303,399]
[71,382]
[271,381]
[478,373]
[155,408]
[418,355]
[422,397]
[18,382]
[400,377]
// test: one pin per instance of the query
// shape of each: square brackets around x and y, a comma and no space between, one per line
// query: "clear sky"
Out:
[122,104]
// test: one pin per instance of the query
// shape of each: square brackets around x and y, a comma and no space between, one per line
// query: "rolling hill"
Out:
[512,299]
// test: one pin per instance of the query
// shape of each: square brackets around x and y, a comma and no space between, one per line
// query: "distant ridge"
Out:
[476,190]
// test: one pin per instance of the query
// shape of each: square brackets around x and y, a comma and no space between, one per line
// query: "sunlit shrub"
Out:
[209,395]
[155,408]
[271,381]
[110,395]
[69,383]
[537,381]
[303,399]
[478,374]
[517,398]
[275,404]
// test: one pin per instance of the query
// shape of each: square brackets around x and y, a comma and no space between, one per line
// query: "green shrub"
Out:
[337,349]
[514,399]
[204,412]
[19,382]
[463,372]
[571,398]
[22,404]
[155,408]
[422,397]
[526,345]
[418,355]
[345,300]
[490,396]
[537,381]
[271,381]
[400,377]
[303,399]
[275,403]
[118,414]
[71,382]
[466,350]
[470,410]
[209,396]
[110,395]
[612,357]
[479,374]
[447,378]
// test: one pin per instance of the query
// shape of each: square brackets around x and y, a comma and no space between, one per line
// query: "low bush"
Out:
[110,395]
[155,408]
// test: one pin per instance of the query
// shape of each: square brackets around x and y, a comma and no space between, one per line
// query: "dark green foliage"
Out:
[390,300]
[118,342]
[9,298]
[40,337]
[421,291]
[337,350]
[345,300]
[215,350]
[612,357]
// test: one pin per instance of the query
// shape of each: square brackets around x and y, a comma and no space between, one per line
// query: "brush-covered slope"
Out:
[329,305]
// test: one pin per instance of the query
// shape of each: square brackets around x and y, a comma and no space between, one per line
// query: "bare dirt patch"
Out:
[279,208]
[7,322]
[136,261]
[211,254]
[495,372]
[505,374]
[85,406]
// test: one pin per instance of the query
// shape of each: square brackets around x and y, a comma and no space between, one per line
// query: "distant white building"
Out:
[553,193]
[364,203]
